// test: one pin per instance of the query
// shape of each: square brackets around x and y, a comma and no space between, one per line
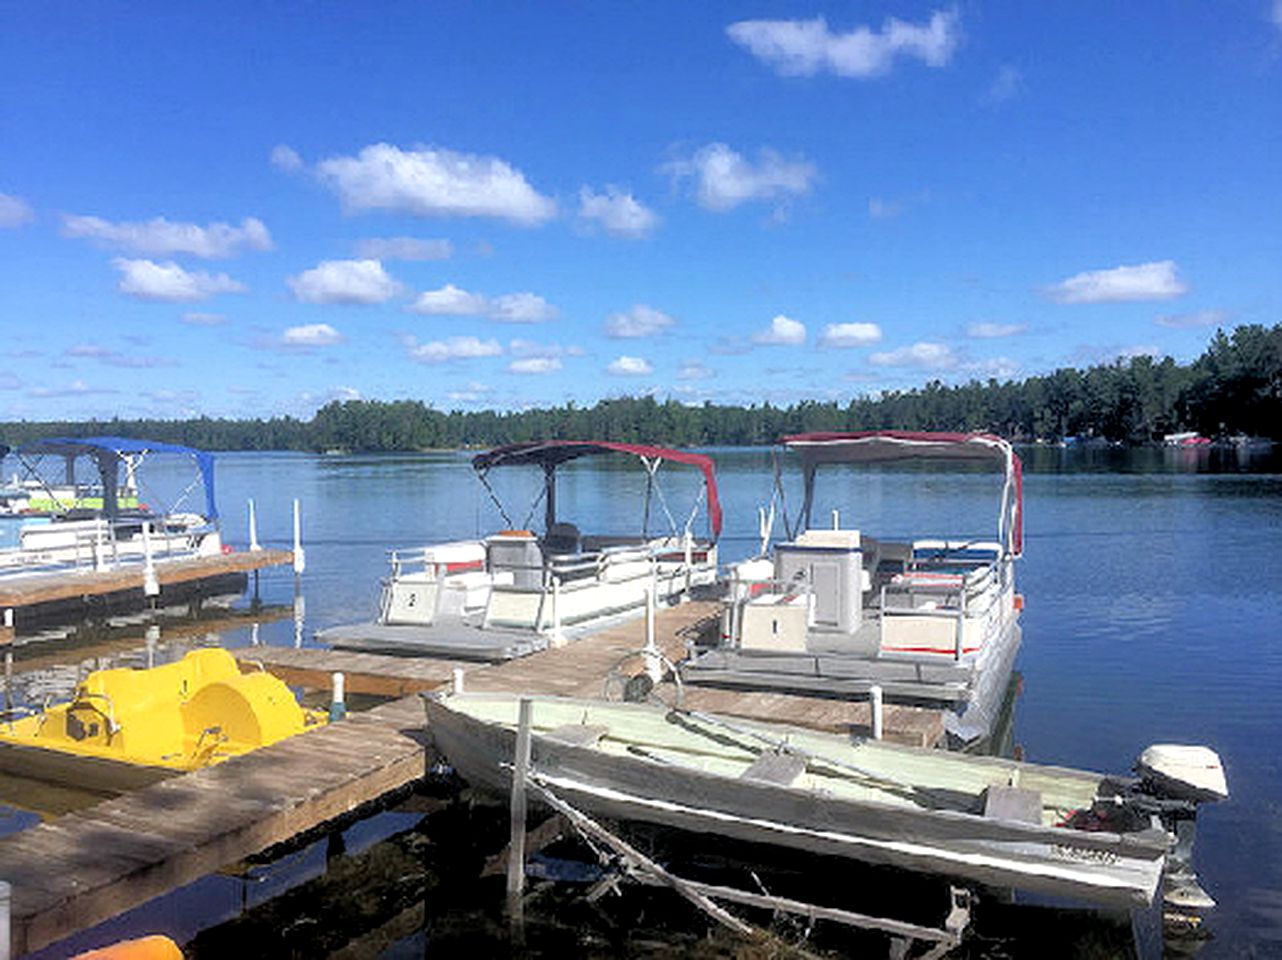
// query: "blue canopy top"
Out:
[107,452]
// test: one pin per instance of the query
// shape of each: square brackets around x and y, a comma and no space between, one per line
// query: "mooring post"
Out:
[253,527]
[836,519]
[557,639]
[516,843]
[300,559]
[152,637]
[6,897]
[874,703]
[457,685]
[337,704]
[653,658]
[150,585]
[300,613]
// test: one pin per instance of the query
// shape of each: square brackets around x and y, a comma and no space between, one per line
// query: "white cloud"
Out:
[521,308]
[535,365]
[1002,368]
[196,319]
[160,237]
[148,280]
[1146,281]
[694,370]
[724,179]
[14,211]
[1190,321]
[77,388]
[1276,16]
[403,248]
[311,335]
[92,350]
[992,331]
[449,301]
[639,321]
[1005,86]
[285,157]
[619,214]
[474,392]
[344,281]
[783,331]
[531,348]
[923,355]
[452,348]
[629,367]
[850,335]
[428,182]
[880,209]
[807,47]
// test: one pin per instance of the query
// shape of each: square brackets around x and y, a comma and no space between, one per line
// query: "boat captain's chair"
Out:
[561,538]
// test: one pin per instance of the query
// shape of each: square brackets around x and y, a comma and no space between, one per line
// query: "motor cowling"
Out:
[1182,772]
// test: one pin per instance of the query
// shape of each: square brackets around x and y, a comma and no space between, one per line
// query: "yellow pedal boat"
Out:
[193,713]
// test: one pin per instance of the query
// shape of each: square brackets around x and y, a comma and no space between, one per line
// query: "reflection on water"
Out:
[1153,591]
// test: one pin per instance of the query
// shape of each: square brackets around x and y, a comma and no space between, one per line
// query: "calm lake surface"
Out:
[1152,583]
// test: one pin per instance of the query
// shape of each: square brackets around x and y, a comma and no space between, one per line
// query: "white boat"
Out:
[102,520]
[1108,841]
[836,611]
[516,590]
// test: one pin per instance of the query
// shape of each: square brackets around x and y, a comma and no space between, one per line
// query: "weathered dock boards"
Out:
[380,675]
[90,866]
[26,591]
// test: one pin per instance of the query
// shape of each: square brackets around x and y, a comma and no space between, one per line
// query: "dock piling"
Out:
[150,585]
[6,898]
[457,682]
[337,704]
[300,559]
[875,709]
[253,528]
[516,846]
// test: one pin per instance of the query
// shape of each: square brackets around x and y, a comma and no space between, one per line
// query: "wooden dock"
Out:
[86,867]
[24,592]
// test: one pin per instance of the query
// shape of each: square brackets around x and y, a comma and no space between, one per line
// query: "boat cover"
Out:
[106,453]
[550,454]
[875,446]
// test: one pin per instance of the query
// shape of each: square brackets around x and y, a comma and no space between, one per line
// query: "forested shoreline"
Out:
[1234,387]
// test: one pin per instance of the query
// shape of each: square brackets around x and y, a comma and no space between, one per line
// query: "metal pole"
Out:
[516,844]
[874,703]
[457,686]
[253,528]
[150,585]
[836,519]
[653,659]
[300,559]
[557,639]
[6,897]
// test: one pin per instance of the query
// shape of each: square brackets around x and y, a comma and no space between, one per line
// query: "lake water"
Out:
[1152,583]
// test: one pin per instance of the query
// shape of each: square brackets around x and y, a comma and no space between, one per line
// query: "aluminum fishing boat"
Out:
[517,590]
[836,611]
[1101,840]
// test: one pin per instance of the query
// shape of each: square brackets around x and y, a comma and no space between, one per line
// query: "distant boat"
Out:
[835,611]
[516,590]
[1101,840]
[1186,438]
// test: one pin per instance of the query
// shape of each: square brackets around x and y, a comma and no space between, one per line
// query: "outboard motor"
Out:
[1173,780]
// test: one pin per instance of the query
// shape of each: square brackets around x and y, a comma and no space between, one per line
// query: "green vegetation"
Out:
[1234,387]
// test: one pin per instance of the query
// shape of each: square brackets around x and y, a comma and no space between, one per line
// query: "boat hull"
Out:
[1099,868]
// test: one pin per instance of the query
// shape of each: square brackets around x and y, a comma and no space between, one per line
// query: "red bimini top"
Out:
[550,454]
[873,446]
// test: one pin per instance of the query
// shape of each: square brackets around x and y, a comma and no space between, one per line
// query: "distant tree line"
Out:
[1234,387]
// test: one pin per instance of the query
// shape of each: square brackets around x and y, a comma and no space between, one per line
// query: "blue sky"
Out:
[249,209]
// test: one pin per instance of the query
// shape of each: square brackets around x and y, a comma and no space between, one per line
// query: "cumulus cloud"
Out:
[783,331]
[629,367]
[198,319]
[77,388]
[924,355]
[311,335]
[449,301]
[694,370]
[639,321]
[617,213]
[531,348]
[474,392]
[1192,321]
[159,237]
[148,280]
[14,212]
[452,301]
[843,335]
[1158,280]
[285,157]
[345,282]
[535,365]
[807,47]
[724,179]
[452,348]
[521,308]
[430,182]
[403,248]
[993,331]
